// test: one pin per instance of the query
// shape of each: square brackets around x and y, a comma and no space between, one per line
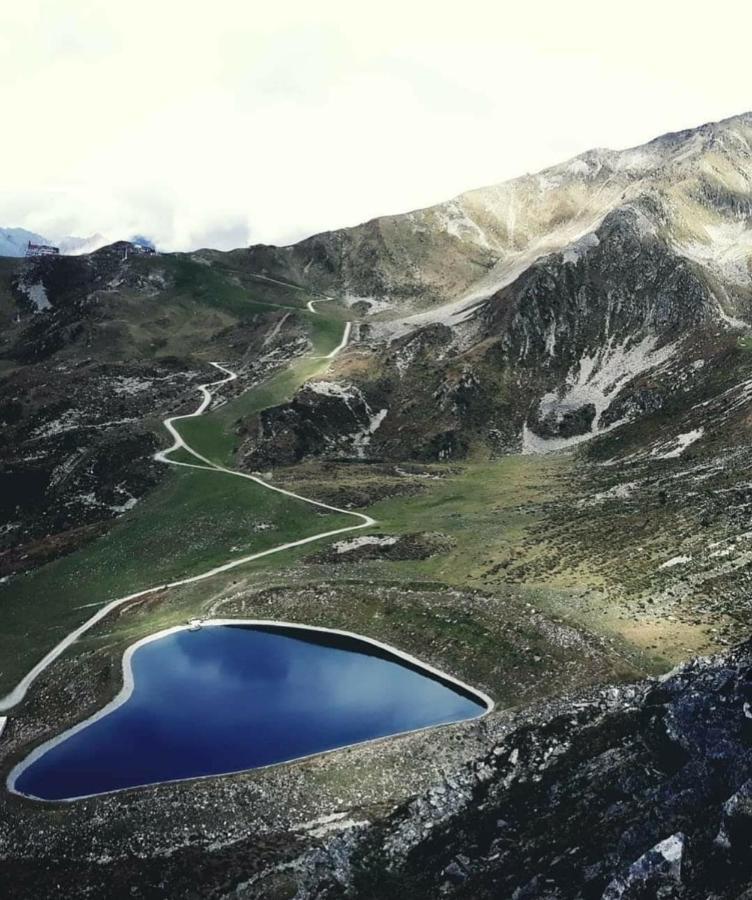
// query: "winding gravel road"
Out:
[19,691]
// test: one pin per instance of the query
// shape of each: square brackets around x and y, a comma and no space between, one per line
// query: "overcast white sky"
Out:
[224,122]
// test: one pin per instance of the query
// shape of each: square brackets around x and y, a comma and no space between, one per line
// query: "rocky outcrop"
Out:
[565,422]
[620,283]
[76,451]
[324,418]
[635,793]
[421,545]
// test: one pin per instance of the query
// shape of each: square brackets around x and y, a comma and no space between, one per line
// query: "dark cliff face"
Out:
[613,286]
[314,422]
[636,793]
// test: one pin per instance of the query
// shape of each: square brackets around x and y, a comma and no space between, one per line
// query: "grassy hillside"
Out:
[193,521]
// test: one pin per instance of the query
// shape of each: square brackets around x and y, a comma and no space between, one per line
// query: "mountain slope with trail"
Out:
[545,402]
[364,521]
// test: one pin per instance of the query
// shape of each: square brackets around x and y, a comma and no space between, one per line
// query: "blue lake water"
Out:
[227,698]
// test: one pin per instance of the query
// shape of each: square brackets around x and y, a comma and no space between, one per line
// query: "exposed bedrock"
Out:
[638,792]
[620,283]
[324,417]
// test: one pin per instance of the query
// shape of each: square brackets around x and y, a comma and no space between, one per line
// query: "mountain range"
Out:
[538,395]
[544,302]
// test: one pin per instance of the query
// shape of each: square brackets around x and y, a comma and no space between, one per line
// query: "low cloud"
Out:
[267,124]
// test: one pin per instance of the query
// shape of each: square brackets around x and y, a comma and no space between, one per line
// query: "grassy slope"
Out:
[193,521]
[213,435]
[515,525]
[492,512]
[202,302]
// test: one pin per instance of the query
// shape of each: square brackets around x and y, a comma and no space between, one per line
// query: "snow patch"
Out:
[675,561]
[551,338]
[362,439]
[37,294]
[596,379]
[366,540]
[681,442]
[580,248]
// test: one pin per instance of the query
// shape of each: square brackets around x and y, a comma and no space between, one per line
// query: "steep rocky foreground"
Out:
[636,792]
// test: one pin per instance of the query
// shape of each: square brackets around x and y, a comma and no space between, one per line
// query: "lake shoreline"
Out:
[386,651]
